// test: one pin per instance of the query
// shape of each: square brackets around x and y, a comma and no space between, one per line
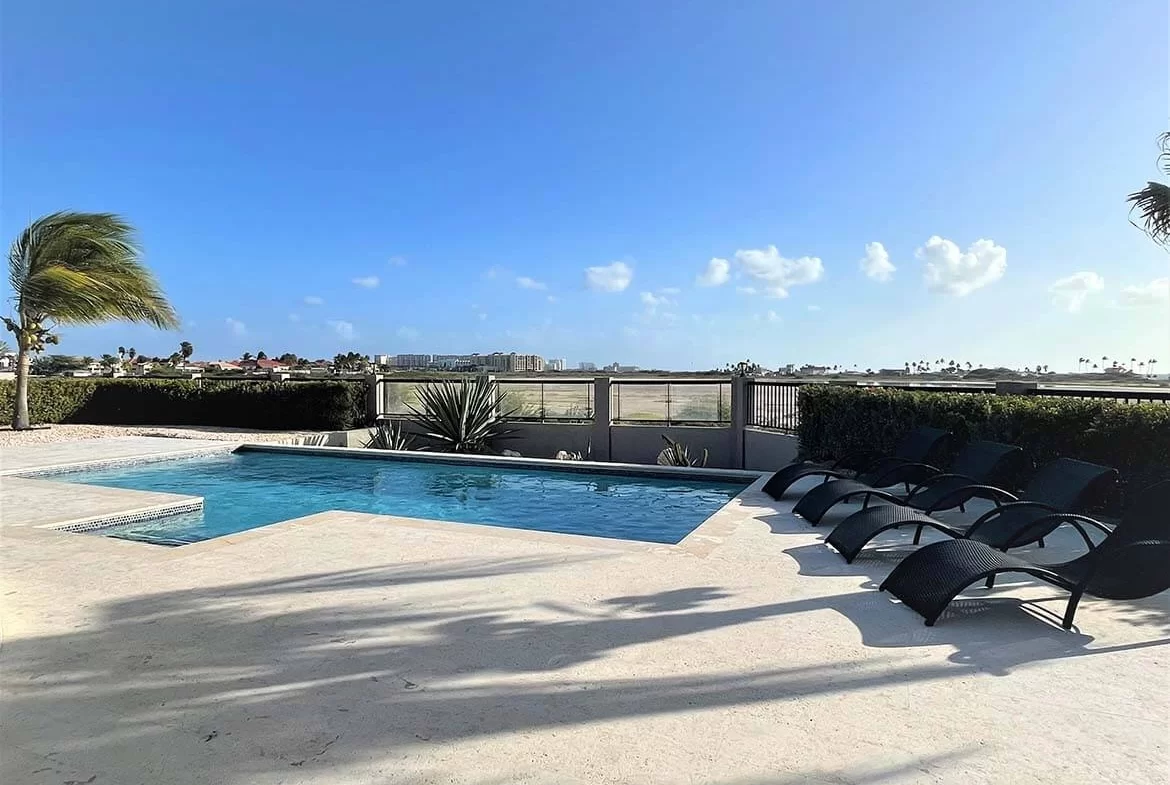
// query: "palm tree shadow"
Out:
[214,674]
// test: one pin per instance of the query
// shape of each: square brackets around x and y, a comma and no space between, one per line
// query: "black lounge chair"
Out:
[1133,561]
[1064,485]
[917,446]
[978,462]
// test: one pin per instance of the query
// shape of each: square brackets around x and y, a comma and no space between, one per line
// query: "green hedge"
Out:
[262,405]
[1133,438]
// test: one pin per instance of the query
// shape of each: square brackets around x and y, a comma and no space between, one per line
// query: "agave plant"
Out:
[388,435]
[678,454]
[461,417]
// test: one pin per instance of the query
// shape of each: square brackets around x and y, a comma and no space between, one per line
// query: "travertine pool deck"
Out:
[354,648]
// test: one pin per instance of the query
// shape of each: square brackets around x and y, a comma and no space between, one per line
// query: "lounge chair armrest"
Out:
[1079,522]
[931,480]
[855,459]
[1002,508]
[997,495]
[908,471]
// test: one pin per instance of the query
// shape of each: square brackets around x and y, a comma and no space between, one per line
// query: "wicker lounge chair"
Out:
[1064,485]
[916,447]
[977,463]
[1133,561]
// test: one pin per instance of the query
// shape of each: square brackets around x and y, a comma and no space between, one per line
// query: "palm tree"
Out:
[186,350]
[131,353]
[246,356]
[121,354]
[1152,203]
[76,268]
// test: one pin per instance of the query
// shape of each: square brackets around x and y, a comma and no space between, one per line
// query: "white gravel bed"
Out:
[62,433]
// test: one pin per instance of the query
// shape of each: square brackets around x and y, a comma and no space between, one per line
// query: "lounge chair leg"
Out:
[1040,543]
[1071,610]
[865,502]
[990,582]
[962,508]
[917,534]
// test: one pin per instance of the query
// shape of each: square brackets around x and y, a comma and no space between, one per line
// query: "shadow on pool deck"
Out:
[235,679]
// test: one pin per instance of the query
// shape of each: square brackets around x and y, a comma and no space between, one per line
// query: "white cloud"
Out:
[313,299]
[294,317]
[367,281]
[776,273]
[407,333]
[524,282]
[552,298]
[814,308]
[876,264]
[670,290]
[746,289]
[951,271]
[396,261]
[236,326]
[1155,292]
[613,277]
[493,272]
[717,272]
[1070,293]
[652,300]
[773,317]
[343,328]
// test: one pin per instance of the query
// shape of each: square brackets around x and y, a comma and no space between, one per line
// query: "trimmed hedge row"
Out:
[1134,438]
[262,405]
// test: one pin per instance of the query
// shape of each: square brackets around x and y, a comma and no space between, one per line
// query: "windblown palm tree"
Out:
[76,268]
[1152,203]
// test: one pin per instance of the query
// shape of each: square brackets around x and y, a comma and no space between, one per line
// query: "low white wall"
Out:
[642,443]
[768,450]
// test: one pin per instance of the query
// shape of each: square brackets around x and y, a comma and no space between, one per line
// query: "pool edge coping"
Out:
[749,476]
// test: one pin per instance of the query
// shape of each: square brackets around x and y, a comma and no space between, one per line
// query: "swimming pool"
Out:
[245,490]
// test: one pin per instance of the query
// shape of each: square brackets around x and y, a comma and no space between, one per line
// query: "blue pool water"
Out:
[248,489]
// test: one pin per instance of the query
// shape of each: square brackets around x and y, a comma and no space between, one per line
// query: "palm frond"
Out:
[1152,205]
[83,268]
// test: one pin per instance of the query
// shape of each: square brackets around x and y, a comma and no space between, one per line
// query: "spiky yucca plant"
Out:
[76,268]
[678,454]
[388,435]
[461,417]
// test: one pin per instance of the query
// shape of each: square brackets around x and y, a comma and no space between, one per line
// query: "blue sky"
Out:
[441,177]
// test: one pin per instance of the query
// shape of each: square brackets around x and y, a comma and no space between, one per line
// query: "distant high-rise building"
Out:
[412,360]
[383,360]
[511,362]
[586,366]
[619,368]
[554,364]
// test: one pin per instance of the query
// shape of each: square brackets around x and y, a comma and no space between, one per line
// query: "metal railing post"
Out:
[600,438]
[740,392]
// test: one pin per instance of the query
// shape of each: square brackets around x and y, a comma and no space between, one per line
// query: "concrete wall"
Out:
[642,443]
[544,439]
[768,450]
[628,443]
